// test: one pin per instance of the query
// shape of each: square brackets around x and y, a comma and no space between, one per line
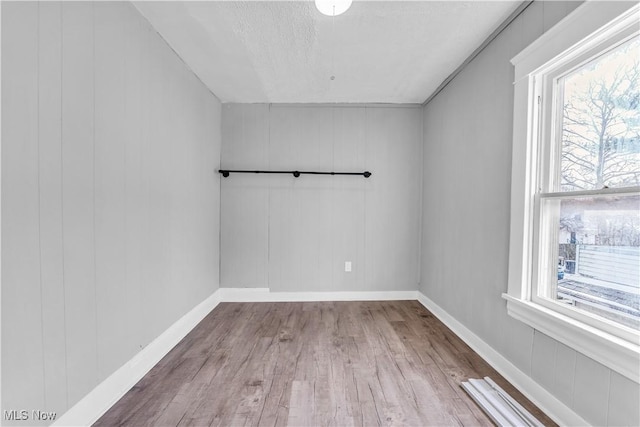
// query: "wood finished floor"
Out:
[312,364]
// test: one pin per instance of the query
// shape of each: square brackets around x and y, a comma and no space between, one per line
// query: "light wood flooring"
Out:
[312,364]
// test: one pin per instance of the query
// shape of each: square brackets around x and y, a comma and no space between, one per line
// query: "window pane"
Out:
[598,267]
[601,121]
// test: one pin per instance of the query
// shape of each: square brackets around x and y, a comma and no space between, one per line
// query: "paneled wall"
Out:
[110,200]
[295,234]
[465,228]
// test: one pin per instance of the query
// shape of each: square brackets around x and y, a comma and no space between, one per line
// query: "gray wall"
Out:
[110,200]
[293,234]
[465,228]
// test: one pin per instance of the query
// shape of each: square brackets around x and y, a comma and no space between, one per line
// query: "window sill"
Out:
[613,352]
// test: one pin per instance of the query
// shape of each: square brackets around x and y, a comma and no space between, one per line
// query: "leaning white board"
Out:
[497,404]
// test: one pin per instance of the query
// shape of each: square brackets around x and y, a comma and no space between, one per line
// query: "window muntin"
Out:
[589,153]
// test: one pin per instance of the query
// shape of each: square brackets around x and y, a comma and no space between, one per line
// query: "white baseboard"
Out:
[100,399]
[265,295]
[556,410]
[88,410]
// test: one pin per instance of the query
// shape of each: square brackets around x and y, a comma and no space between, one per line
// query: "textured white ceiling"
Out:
[286,51]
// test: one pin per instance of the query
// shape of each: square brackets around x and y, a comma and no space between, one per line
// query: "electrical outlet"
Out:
[347,266]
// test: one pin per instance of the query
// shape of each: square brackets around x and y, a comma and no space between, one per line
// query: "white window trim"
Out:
[592,22]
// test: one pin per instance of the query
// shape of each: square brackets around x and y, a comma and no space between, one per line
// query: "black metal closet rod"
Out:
[226,172]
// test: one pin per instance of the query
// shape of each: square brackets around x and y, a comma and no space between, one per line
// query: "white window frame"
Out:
[592,25]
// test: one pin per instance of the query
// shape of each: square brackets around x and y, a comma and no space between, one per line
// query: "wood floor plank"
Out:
[363,363]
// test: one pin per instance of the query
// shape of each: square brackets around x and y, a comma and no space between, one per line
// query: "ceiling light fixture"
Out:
[333,7]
